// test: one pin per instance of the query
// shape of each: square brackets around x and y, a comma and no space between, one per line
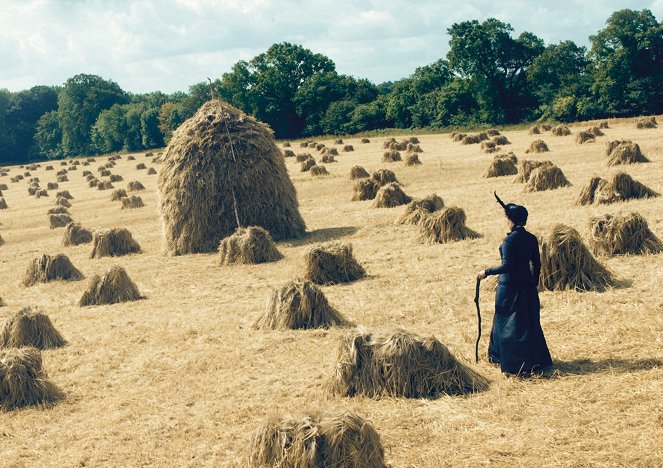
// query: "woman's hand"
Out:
[481,275]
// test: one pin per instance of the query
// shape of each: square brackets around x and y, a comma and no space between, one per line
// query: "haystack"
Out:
[332,264]
[488,147]
[114,243]
[624,152]
[500,140]
[526,168]
[471,140]
[93,183]
[3,204]
[131,158]
[52,186]
[535,130]
[140,166]
[301,157]
[330,151]
[596,131]
[2,242]
[319,146]
[90,177]
[328,158]
[105,173]
[621,187]
[358,172]
[248,245]
[299,305]
[388,142]
[288,154]
[30,327]
[604,124]
[41,193]
[58,210]
[59,220]
[412,159]
[319,171]
[561,130]
[365,140]
[112,288]
[400,364]
[446,225]
[105,185]
[587,195]
[345,441]
[390,196]
[23,381]
[118,194]
[307,165]
[51,268]
[49,168]
[502,165]
[413,148]
[75,234]
[286,144]
[585,137]
[365,189]
[132,202]
[348,148]
[646,122]
[622,234]
[151,171]
[384,177]
[135,186]
[4,187]
[417,210]
[537,146]
[459,136]
[546,178]
[391,156]
[117,178]
[398,146]
[32,190]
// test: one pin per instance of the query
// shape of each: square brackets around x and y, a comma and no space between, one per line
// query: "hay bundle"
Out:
[93,183]
[301,157]
[459,136]
[365,140]
[358,172]
[500,140]
[391,156]
[338,141]
[546,178]
[41,193]
[398,145]
[51,268]
[135,186]
[319,146]
[384,177]
[104,185]
[30,327]
[561,130]
[502,165]
[307,165]
[59,220]
[400,364]
[446,225]
[330,151]
[116,178]
[348,148]
[413,148]
[365,189]
[286,144]
[332,264]
[23,381]
[90,177]
[112,288]
[596,131]
[585,137]
[3,204]
[49,168]
[646,122]
[390,196]
[299,305]
[621,187]
[303,144]
[471,140]
[566,263]
[488,147]
[76,163]
[58,210]
[248,245]
[85,163]
[2,242]
[604,124]
[64,194]
[27,174]
[4,187]
[491,132]
[52,186]
[140,166]
[328,158]
[75,234]
[61,201]
[114,243]
[526,168]
[417,210]
[535,130]
[101,168]
[132,202]
[345,440]
[105,173]
[622,234]
[412,159]
[73,168]
[118,194]
[537,146]
[151,171]
[319,171]
[624,152]
[388,142]
[288,154]
[131,158]
[588,192]
[32,190]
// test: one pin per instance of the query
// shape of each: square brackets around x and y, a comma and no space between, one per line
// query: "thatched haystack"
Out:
[248,245]
[288,154]
[52,186]
[105,185]
[646,122]
[384,177]
[537,146]
[131,202]
[500,140]
[621,187]
[390,196]
[417,210]
[348,148]
[459,136]
[534,130]
[566,263]
[317,171]
[116,178]
[112,288]
[502,165]
[41,193]
[332,264]
[75,234]
[23,381]
[400,364]
[391,156]
[301,157]
[471,140]
[365,140]
[135,186]
[307,165]
[151,171]
[445,225]
[58,210]
[330,151]
[345,440]
[51,268]
[140,166]
[624,152]
[3,204]
[358,172]
[131,158]
[113,243]
[59,220]
[413,148]
[526,167]
[328,158]
[299,305]
[488,147]
[105,173]
[561,130]
[412,159]
[585,137]
[546,178]
[622,234]
[596,131]
[365,189]
[30,327]
[118,194]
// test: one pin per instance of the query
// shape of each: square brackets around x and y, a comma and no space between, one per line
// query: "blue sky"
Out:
[167,45]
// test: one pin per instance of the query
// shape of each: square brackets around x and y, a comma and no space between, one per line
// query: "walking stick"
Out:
[476,301]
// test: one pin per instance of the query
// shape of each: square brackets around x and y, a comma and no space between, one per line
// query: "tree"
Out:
[149,128]
[48,136]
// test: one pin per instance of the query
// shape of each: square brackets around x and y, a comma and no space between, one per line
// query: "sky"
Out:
[168,45]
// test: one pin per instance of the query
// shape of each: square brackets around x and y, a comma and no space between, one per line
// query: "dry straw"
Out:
[30,327]
[307,165]
[537,146]
[546,178]
[502,165]
[288,154]
[418,210]
[646,122]
[151,171]
[319,171]
[132,202]
[135,186]
[445,225]
[75,234]
[622,234]
[117,178]
[489,147]
[596,131]
[384,177]
[412,159]
[391,156]
[621,187]
[561,130]
[365,189]
[330,151]
[59,220]
[114,243]
[328,158]
[400,364]
[624,152]
[247,246]
[526,168]
[51,268]
[301,157]
[112,288]
[299,305]
[358,172]
[585,137]
[3,204]
[332,264]
[500,140]
[390,196]
[58,210]
[118,194]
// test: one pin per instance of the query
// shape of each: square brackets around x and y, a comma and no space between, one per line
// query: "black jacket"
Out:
[517,251]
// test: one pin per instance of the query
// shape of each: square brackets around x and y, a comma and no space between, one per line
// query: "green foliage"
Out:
[48,136]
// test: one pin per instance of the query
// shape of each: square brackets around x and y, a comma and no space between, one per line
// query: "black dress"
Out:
[516,340]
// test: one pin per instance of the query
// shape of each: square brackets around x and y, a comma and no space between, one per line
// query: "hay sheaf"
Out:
[151,171]
[585,137]
[546,178]
[112,288]
[340,441]
[299,305]
[288,154]
[365,140]
[307,165]
[445,225]
[500,140]
[317,171]
[412,159]
[534,130]
[384,177]
[135,186]
[390,196]
[621,187]
[58,210]
[622,234]
[30,327]
[328,158]
[330,151]
[23,381]
[567,263]
[365,189]
[400,364]
[646,122]
[537,146]
[391,156]
[348,148]
[248,245]
[116,178]
[228,162]
[489,147]
[114,243]
[561,130]
[624,152]
[358,172]
[417,210]
[75,234]
[3,204]
[301,157]
[596,131]
[132,202]
[502,165]
[332,264]
[51,268]
[118,194]
[59,220]
[526,167]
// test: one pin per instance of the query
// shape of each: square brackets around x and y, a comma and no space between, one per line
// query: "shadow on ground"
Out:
[325,234]
[587,366]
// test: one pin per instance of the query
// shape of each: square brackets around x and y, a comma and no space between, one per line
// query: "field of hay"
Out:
[181,379]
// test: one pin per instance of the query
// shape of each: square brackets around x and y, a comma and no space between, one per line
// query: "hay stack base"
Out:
[114,287]
[390,196]
[248,245]
[332,264]
[546,178]
[299,305]
[114,243]
[23,381]
[622,234]
[51,268]
[446,225]
[400,364]
[417,210]
[30,327]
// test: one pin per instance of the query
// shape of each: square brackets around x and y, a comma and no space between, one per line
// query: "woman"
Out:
[517,343]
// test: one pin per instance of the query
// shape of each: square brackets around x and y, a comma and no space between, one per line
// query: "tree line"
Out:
[489,77]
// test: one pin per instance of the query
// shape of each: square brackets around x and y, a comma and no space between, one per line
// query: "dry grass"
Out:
[622,234]
[389,196]
[417,210]
[114,242]
[30,327]
[112,288]
[446,225]
[546,178]
[248,245]
[75,234]
[332,264]
[50,268]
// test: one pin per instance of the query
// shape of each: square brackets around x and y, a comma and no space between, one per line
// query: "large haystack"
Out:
[75,234]
[332,264]
[365,189]
[502,165]
[390,196]
[248,245]
[537,146]
[341,441]
[23,381]
[384,177]
[624,152]
[30,327]
[622,234]
[621,187]
[400,364]
[446,225]
[51,268]
[561,130]
[227,162]
[417,210]
[566,263]
[299,305]
[358,172]
[546,178]
[114,287]
[114,243]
